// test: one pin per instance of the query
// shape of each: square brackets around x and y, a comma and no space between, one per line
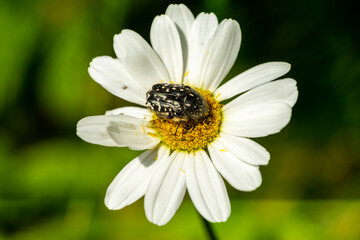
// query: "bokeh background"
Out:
[52,184]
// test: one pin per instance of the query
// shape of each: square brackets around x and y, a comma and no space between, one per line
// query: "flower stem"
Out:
[209,229]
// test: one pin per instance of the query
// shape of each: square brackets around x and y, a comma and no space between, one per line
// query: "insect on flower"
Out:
[177,102]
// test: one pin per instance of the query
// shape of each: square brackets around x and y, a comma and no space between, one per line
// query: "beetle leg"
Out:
[177,128]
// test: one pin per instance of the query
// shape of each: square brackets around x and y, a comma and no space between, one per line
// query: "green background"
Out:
[52,184]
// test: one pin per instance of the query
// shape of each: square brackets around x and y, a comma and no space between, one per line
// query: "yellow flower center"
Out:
[190,135]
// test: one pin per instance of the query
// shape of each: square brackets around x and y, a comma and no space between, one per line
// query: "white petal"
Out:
[183,18]
[141,113]
[251,78]
[280,91]
[139,59]
[245,149]
[110,74]
[120,131]
[132,181]
[220,54]
[256,120]
[166,190]
[206,188]
[94,130]
[240,175]
[202,31]
[165,40]
[128,131]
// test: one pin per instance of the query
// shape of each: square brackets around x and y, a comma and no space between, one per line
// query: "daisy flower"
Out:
[187,153]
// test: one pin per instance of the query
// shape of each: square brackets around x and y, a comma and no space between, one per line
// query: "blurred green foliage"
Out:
[52,184]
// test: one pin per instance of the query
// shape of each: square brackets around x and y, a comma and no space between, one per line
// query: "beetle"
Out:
[177,102]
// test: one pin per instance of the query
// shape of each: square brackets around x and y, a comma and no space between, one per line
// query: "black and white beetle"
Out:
[177,102]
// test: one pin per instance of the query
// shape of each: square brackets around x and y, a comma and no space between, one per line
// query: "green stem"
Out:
[209,229]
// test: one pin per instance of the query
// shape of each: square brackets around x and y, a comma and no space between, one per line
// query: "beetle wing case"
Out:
[176,101]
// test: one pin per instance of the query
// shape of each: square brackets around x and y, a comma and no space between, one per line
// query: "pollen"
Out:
[143,128]
[191,135]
